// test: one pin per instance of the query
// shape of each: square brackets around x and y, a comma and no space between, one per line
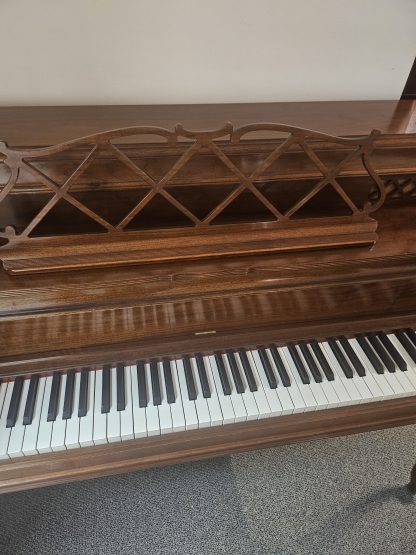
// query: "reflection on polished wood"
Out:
[75,318]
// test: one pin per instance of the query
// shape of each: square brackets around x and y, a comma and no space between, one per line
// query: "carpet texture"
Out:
[335,496]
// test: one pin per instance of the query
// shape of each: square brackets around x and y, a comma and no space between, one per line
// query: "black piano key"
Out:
[323,362]
[235,372]
[106,389]
[30,400]
[381,352]
[281,368]
[251,380]
[406,344]
[267,367]
[167,373]
[203,378]
[69,395]
[141,384]
[121,386]
[14,402]
[189,377]
[83,392]
[412,335]
[393,352]
[352,355]
[370,354]
[222,371]
[154,376]
[54,398]
[304,376]
[339,355]
[310,361]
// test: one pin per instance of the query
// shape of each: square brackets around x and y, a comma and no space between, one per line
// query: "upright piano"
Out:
[182,282]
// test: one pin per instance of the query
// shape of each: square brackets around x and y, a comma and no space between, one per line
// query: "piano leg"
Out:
[412,484]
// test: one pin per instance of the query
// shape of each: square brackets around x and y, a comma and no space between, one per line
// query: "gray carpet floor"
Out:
[335,496]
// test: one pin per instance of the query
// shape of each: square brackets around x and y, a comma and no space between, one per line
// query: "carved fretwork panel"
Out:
[193,192]
[397,188]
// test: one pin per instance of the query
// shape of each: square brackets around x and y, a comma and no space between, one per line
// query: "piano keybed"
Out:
[113,403]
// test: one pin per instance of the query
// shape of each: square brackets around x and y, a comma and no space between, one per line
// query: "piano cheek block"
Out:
[217,291]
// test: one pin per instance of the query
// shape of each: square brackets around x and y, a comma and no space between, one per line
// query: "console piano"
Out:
[174,286]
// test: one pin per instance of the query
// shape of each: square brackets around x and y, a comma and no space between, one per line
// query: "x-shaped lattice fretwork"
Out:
[208,141]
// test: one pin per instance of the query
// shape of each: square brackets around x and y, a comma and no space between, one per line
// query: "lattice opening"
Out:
[111,205]
[326,201]
[159,213]
[65,219]
[24,207]
[60,166]
[246,208]
[285,194]
[201,199]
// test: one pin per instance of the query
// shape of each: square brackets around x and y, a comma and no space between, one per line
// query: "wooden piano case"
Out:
[154,241]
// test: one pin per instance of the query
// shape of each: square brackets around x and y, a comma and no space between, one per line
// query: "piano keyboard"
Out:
[116,403]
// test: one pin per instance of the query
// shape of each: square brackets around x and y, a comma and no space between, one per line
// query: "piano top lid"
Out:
[46,125]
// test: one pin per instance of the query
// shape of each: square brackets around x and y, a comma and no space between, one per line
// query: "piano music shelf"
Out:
[103,201]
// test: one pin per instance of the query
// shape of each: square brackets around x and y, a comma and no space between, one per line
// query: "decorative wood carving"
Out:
[188,235]
[397,188]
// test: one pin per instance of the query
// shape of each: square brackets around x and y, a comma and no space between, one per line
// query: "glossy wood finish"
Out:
[275,228]
[48,125]
[68,319]
[91,462]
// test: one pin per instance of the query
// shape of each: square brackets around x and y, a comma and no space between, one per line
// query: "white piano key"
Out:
[359,382]
[59,425]
[139,413]
[72,424]
[100,419]
[113,416]
[327,386]
[316,387]
[165,416]
[279,405]
[373,385]
[337,383]
[248,397]
[43,443]
[411,366]
[126,415]
[32,430]
[260,397]
[201,405]
[18,430]
[86,423]
[213,402]
[176,408]
[152,412]
[379,379]
[6,393]
[294,391]
[305,389]
[224,400]
[353,393]
[189,410]
[236,399]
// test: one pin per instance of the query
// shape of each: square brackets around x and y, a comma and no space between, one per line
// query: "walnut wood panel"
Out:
[273,227]
[46,125]
[41,470]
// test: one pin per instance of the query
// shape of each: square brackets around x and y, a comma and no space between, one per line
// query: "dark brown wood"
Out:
[48,125]
[409,91]
[412,483]
[113,314]
[277,225]
[91,462]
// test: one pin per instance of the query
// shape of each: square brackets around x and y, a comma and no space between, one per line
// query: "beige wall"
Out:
[167,51]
